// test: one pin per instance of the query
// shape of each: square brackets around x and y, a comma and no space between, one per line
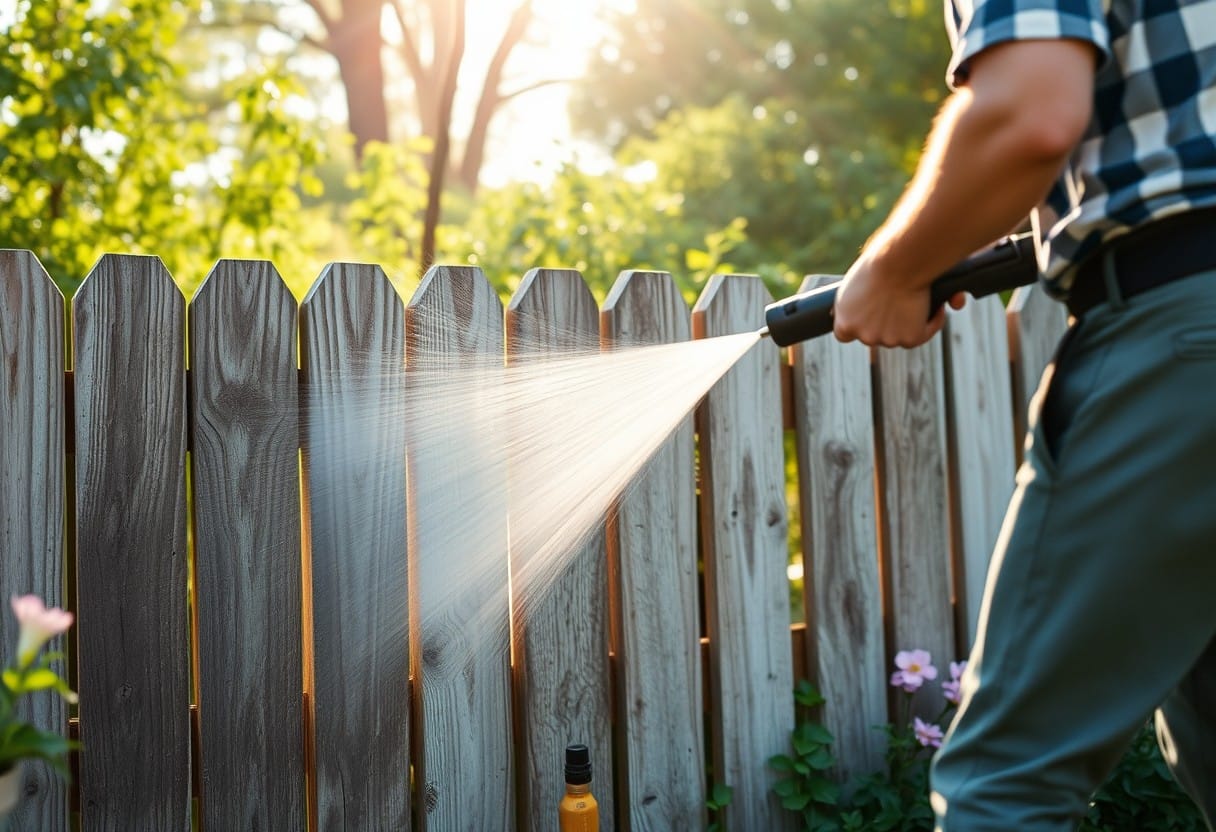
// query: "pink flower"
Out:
[915,666]
[927,734]
[38,625]
[952,689]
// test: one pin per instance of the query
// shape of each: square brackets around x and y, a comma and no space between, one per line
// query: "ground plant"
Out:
[1140,795]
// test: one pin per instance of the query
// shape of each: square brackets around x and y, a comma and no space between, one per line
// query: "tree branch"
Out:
[535,85]
[297,36]
[409,49]
[326,20]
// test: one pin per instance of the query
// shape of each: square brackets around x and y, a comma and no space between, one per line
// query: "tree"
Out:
[875,67]
[103,145]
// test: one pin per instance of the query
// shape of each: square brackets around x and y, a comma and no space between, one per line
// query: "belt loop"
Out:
[1110,277]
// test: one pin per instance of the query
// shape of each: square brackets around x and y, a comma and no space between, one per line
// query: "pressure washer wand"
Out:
[1007,265]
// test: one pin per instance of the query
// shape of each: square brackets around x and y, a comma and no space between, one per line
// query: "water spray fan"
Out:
[1007,265]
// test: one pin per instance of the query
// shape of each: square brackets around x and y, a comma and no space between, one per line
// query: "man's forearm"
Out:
[992,155]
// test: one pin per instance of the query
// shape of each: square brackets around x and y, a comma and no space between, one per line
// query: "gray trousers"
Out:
[1100,605]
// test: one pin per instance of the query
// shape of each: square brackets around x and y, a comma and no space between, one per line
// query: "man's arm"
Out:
[994,152]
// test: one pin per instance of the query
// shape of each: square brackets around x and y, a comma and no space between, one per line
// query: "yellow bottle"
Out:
[578,811]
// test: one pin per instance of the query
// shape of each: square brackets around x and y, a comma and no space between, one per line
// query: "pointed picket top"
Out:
[745,533]
[352,351]
[247,551]
[652,548]
[645,307]
[460,576]
[455,310]
[561,660]
[32,491]
[130,428]
[550,310]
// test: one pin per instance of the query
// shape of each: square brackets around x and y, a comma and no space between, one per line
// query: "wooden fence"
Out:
[229,680]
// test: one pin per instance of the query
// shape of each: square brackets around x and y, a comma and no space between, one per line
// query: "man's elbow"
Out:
[1042,91]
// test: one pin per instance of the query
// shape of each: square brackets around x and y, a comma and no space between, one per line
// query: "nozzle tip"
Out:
[763,332]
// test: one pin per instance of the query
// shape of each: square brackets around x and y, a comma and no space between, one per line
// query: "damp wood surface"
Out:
[352,357]
[652,544]
[32,456]
[846,655]
[745,532]
[130,428]
[245,441]
[561,625]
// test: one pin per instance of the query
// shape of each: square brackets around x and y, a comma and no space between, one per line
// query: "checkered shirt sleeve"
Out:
[979,24]
[1150,148]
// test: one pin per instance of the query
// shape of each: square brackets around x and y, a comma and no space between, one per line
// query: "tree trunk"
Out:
[443,134]
[355,41]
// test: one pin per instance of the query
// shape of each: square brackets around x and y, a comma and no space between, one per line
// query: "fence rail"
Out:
[307,714]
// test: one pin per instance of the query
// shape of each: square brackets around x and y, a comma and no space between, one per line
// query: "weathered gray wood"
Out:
[459,546]
[982,453]
[352,356]
[1036,324]
[745,532]
[130,423]
[652,551]
[915,518]
[32,495]
[834,423]
[245,439]
[561,628]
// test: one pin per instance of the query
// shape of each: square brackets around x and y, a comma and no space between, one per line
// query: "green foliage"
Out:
[807,199]
[719,798]
[597,224]
[106,146]
[1139,794]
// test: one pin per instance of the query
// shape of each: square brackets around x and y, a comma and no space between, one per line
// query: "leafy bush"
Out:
[1140,794]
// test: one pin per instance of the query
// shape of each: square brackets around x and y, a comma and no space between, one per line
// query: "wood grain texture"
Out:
[652,552]
[914,529]
[847,659]
[129,336]
[462,665]
[560,639]
[352,357]
[245,432]
[32,494]
[1036,324]
[744,532]
[981,449]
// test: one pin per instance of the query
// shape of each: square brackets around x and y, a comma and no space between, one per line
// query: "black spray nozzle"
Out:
[578,765]
[1007,265]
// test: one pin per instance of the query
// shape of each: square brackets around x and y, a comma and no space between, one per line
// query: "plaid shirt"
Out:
[1150,149]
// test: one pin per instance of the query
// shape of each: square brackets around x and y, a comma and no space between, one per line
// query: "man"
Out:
[1099,119]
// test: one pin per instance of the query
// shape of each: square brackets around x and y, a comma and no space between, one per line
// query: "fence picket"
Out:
[130,424]
[352,355]
[653,563]
[463,667]
[1036,324]
[245,439]
[745,534]
[914,527]
[32,494]
[562,678]
[834,429]
[982,449]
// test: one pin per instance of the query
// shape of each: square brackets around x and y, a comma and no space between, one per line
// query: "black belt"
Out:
[1152,255]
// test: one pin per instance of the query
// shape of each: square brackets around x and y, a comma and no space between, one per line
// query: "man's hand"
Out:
[884,310]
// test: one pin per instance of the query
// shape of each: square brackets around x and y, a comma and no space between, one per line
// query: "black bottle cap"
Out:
[578,765]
